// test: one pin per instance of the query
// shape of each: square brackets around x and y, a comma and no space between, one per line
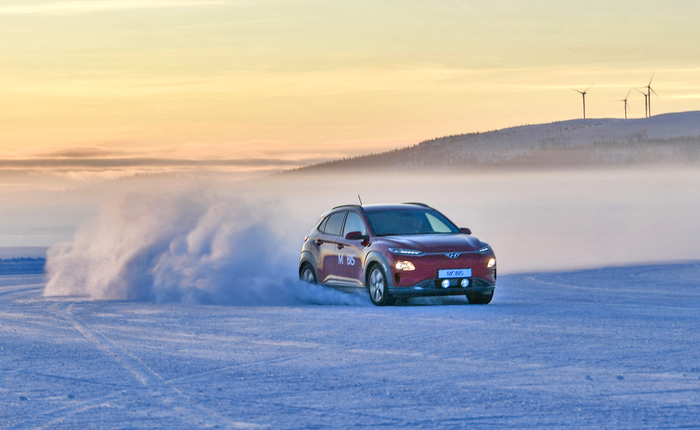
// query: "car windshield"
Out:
[409,221]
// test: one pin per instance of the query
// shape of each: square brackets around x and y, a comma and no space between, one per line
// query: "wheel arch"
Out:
[377,258]
[308,258]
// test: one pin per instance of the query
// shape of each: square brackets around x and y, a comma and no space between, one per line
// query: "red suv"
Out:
[399,250]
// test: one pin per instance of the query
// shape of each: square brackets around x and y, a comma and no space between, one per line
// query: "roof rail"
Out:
[347,206]
[417,204]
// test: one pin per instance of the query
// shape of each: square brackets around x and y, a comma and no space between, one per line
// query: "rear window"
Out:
[333,224]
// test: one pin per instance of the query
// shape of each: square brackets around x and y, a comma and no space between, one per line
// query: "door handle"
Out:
[319,242]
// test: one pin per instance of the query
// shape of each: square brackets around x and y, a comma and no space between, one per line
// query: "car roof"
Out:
[398,206]
[383,207]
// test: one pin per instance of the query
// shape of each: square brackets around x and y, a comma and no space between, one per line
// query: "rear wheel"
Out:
[307,274]
[378,286]
[480,299]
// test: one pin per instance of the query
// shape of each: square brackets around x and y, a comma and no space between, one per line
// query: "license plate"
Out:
[455,273]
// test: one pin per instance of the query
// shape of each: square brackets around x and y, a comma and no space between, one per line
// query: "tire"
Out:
[307,274]
[378,287]
[480,299]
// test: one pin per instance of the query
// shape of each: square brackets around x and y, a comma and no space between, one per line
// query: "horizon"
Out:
[73,168]
[272,85]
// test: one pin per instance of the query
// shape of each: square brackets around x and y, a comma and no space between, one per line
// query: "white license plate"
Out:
[455,273]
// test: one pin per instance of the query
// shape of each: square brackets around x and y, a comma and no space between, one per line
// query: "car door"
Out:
[327,243]
[350,252]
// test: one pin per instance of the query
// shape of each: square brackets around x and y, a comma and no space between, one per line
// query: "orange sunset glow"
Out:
[136,85]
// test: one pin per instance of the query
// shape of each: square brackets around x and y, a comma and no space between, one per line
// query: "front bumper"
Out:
[432,287]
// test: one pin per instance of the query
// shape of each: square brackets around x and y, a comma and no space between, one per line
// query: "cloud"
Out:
[113,163]
[686,96]
[76,7]
[125,157]
[87,152]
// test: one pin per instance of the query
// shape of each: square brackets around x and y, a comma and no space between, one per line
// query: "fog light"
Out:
[464,283]
[491,263]
[445,283]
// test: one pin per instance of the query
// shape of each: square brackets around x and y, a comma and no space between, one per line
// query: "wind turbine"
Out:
[646,109]
[625,100]
[649,91]
[583,93]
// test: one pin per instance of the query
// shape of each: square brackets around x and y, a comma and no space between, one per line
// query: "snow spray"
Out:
[190,248]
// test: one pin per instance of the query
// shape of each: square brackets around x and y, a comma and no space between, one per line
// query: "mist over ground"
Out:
[219,242]
[541,220]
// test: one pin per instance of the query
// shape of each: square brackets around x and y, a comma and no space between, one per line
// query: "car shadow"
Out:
[433,301]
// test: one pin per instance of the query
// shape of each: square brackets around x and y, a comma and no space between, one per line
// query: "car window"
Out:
[354,223]
[322,224]
[334,223]
[404,222]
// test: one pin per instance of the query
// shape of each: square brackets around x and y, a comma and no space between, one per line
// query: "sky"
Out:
[119,86]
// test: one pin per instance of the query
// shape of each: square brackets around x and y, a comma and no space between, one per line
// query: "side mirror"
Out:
[355,235]
[465,230]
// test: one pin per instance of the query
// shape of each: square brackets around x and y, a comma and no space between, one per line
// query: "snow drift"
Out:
[190,248]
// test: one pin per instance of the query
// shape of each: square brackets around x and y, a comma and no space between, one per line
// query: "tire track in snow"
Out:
[25,289]
[147,379]
[321,350]
[58,415]
[82,380]
[128,362]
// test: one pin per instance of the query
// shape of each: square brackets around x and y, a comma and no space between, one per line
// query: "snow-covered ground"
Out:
[607,348]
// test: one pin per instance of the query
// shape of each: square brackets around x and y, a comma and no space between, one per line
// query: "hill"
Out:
[667,138]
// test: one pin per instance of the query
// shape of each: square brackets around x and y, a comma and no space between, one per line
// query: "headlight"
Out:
[491,263]
[400,251]
[485,248]
[404,265]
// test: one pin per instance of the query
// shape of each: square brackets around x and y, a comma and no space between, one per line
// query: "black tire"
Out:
[378,287]
[307,274]
[480,299]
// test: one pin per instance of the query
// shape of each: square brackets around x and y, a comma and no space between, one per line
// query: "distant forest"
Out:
[575,143]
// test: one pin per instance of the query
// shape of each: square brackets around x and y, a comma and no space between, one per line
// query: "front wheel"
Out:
[480,299]
[378,287]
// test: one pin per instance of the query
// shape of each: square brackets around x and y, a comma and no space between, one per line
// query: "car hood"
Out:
[435,242]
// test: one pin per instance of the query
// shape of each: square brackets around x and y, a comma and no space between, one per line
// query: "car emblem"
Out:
[453,254]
